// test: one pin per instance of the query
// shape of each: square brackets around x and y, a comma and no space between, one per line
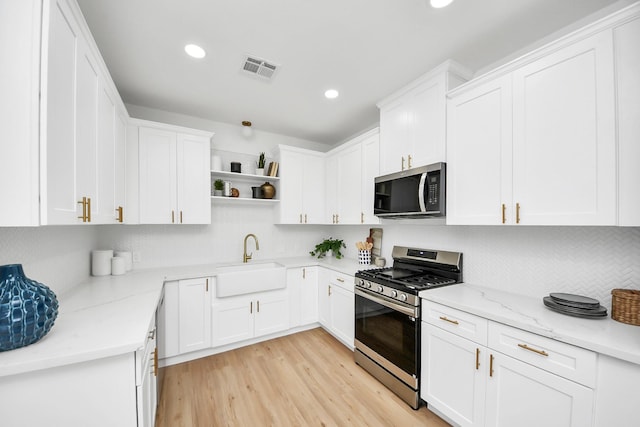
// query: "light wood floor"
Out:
[304,379]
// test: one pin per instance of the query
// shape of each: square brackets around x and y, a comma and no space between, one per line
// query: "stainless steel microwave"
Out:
[413,193]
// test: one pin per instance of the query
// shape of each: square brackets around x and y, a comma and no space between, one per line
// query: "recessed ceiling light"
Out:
[195,51]
[331,93]
[440,3]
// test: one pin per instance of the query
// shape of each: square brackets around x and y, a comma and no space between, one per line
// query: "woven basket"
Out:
[625,306]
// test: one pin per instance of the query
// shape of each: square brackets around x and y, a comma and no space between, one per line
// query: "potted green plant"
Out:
[218,186]
[261,162]
[329,245]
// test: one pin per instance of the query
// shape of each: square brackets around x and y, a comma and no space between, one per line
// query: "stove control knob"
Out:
[403,297]
[380,289]
[394,293]
[367,284]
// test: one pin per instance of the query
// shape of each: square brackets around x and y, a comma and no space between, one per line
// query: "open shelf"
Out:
[224,199]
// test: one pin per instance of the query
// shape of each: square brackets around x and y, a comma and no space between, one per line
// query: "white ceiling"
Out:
[364,48]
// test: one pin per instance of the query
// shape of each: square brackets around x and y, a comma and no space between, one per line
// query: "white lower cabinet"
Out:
[481,373]
[146,379]
[302,283]
[194,315]
[336,302]
[240,318]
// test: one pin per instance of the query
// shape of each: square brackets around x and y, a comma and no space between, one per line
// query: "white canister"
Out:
[128,259]
[117,266]
[101,262]
[216,163]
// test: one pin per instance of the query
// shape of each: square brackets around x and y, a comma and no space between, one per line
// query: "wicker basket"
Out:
[625,306]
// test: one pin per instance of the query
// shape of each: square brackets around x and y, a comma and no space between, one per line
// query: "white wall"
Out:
[532,261]
[58,256]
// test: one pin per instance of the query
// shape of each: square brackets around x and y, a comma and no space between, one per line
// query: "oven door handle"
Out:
[409,311]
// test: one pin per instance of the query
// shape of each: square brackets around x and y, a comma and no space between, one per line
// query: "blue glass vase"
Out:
[28,309]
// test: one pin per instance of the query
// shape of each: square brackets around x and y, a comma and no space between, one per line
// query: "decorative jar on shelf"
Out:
[28,309]
[268,190]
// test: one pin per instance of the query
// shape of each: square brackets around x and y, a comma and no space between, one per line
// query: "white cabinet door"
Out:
[427,109]
[479,155]
[457,391]
[58,141]
[370,170]
[272,313]
[394,136]
[157,169]
[169,322]
[332,187]
[195,314]
[302,284]
[105,205]
[324,304]
[349,193]
[302,186]
[342,314]
[564,149]
[309,296]
[194,180]
[519,394]
[120,167]
[232,320]
[627,57]
[20,24]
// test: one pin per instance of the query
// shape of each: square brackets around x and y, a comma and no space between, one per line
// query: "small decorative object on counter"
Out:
[128,258]
[380,262]
[330,244]
[118,266]
[236,167]
[268,190]
[575,305]
[364,252]
[625,306]
[28,309]
[101,262]
[218,186]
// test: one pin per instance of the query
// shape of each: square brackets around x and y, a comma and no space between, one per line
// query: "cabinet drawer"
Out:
[458,322]
[565,360]
[341,280]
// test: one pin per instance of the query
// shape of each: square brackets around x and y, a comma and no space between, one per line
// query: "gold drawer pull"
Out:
[504,213]
[477,359]
[455,322]
[491,365]
[517,213]
[340,280]
[540,352]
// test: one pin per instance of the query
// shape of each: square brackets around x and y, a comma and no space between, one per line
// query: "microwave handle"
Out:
[423,179]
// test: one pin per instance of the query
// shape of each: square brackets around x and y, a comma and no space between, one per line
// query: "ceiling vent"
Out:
[259,67]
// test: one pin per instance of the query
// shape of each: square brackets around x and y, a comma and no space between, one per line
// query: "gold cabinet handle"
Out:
[180,217]
[517,213]
[361,217]
[340,280]
[300,218]
[402,162]
[540,352]
[409,161]
[455,322]
[173,217]
[251,307]
[119,210]
[477,359]
[88,209]
[333,219]
[304,273]
[258,306]
[329,290]
[491,365]
[337,219]
[83,202]
[504,213]
[305,218]
[207,288]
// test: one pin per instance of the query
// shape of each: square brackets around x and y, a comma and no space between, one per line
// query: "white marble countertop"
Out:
[605,336]
[109,316]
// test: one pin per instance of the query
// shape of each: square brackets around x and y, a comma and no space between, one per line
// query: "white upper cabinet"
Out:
[350,171]
[301,186]
[535,142]
[174,175]
[79,126]
[413,120]
[564,149]
[19,111]
[627,52]
[479,153]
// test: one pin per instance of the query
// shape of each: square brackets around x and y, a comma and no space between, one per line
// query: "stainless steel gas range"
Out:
[387,315]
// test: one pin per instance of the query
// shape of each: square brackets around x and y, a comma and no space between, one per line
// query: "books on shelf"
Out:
[273,169]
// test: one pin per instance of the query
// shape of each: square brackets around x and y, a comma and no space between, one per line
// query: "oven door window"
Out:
[391,334]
